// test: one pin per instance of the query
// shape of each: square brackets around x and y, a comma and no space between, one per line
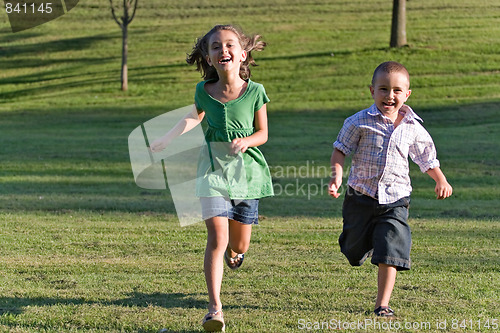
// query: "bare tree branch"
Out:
[135,9]
[114,15]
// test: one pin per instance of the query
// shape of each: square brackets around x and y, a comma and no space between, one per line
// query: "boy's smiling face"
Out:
[390,91]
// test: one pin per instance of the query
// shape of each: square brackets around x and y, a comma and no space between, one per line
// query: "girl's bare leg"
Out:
[220,233]
[239,237]
[217,240]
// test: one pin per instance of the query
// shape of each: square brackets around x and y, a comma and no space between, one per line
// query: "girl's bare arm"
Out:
[190,121]
[256,139]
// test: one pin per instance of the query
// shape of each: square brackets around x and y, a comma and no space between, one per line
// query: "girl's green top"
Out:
[242,176]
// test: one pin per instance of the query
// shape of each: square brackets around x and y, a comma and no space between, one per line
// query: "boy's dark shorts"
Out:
[378,230]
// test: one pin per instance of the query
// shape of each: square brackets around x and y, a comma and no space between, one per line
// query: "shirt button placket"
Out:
[225,123]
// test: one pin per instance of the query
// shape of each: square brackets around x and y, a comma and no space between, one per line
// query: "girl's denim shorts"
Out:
[244,211]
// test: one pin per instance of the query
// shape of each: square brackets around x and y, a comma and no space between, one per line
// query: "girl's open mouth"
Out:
[224,60]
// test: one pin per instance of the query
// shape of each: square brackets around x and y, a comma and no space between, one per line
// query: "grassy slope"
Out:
[84,248]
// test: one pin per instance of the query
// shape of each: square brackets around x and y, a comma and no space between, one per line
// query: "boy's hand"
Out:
[334,186]
[443,190]
[337,162]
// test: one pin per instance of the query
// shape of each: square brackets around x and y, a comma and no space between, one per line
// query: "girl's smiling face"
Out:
[390,91]
[225,52]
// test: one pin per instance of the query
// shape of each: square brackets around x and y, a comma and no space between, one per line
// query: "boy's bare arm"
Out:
[337,163]
[443,188]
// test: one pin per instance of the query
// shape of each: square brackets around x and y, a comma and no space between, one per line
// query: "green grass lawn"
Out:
[82,248]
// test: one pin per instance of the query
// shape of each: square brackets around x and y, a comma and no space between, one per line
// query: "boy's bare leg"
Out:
[217,240]
[386,281]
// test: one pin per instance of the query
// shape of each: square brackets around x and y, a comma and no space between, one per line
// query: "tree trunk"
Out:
[124,75]
[123,23]
[398,29]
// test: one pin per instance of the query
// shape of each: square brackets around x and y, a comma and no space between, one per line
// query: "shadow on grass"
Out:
[90,78]
[59,72]
[332,53]
[86,165]
[60,45]
[13,306]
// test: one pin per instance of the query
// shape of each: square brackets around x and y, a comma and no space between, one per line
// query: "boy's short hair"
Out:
[390,67]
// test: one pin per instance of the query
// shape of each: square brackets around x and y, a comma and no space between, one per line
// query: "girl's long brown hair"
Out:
[199,53]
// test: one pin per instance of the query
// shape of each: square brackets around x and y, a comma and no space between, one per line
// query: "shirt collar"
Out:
[409,113]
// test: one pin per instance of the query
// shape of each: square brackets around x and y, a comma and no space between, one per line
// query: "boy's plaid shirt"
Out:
[379,165]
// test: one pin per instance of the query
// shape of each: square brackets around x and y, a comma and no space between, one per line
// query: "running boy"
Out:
[375,209]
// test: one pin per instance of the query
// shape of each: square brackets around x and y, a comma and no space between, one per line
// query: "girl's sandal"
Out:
[384,311]
[214,322]
[234,263]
